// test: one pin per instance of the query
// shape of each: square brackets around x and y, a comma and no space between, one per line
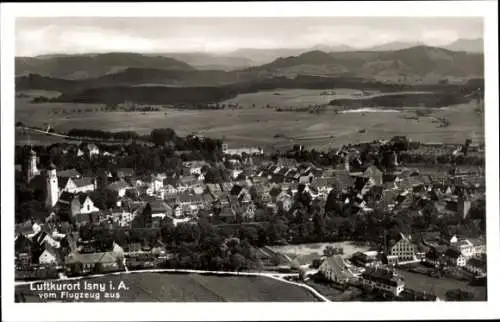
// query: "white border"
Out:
[243,311]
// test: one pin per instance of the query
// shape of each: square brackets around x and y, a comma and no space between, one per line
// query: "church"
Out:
[51,183]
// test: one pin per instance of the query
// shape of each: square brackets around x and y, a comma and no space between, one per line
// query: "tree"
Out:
[237,261]
[162,136]
[319,227]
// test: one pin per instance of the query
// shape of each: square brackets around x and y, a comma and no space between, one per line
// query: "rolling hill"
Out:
[418,60]
[165,80]
[93,65]
[467,45]
[205,61]
[394,45]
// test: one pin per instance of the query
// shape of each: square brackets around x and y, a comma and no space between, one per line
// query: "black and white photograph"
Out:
[205,158]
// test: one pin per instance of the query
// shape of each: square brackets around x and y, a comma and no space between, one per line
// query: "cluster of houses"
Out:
[376,270]
[255,183]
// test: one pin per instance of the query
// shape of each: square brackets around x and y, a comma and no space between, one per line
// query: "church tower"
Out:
[30,169]
[52,186]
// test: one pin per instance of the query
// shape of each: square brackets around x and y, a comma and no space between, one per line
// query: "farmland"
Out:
[152,287]
[303,97]
[265,126]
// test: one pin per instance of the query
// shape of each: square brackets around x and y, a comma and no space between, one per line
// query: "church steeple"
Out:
[52,186]
[30,166]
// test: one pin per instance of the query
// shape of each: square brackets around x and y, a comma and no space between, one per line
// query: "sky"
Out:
[70,35]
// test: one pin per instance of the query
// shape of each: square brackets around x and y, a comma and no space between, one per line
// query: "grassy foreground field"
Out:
[166,287]
[265,126]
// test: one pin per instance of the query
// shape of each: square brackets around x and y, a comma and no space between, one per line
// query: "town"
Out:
[195,203]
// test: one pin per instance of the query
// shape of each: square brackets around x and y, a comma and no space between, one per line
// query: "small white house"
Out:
[48,257]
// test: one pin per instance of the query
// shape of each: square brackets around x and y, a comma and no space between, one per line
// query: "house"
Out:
[235,173]
[122,216]
[412,184]
[68,173]
[177,211]
[374,175]
[186,183]
[125,173]
[214,188]
[155,185]
[266,197]
[323,185]
[158,209]
[479,246]
[92,149]
[383,280]
[366,259]
[306,179]
[191,199]
[83,219]
[454,257]
[285,200]
[403,248]
[334,269]
[72,204]
[194,167]
[249,211]
[476,266]
[120,186]
[177,221]
[464,246]
[49,257]
[170,189]
[87,263]
[226,186]
[198,189]
[76,185]
[244,197]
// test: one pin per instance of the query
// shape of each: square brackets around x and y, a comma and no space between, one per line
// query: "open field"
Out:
[306,253]
[440,286]
[165,287]
[293,98]
[264,126]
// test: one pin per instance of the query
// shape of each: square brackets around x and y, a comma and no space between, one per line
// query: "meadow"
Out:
[166,287]
[266,127]
[295,98]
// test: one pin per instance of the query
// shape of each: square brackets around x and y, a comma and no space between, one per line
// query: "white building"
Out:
[48,257]
[76,185]
[120,187]
[30,167]
[52,187]
[382,279]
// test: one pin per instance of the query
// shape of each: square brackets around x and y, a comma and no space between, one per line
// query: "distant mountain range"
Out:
[415,61]
[467,45]
[93,65]
[333,59]
[418,60]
